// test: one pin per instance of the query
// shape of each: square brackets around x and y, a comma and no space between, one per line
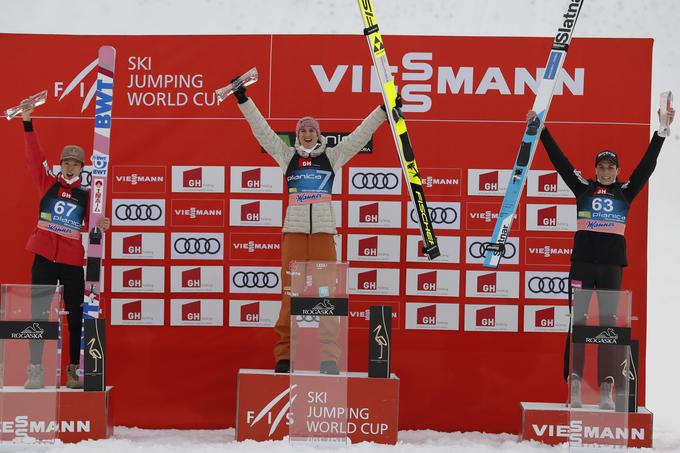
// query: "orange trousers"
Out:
[305,247]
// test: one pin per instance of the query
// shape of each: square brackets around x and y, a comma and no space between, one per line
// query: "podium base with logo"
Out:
[550,423]
[263,402]
[80,415]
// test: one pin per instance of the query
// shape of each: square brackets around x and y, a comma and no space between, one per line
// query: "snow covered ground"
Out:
[602,18]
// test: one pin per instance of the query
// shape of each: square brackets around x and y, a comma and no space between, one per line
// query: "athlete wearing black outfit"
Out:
[599,251]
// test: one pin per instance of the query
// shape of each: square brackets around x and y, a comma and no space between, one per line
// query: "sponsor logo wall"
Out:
[197,206]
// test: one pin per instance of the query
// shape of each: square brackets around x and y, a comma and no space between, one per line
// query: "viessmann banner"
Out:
[193,260]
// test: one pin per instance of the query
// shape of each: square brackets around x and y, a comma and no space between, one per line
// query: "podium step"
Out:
[262,411]
[551,424]
[49,413]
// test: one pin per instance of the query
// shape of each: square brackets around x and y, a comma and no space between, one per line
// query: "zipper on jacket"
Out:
[310,218]
[56,250]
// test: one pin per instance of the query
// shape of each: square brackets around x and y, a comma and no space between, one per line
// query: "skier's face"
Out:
[308,137]
[606,172]
[71,168]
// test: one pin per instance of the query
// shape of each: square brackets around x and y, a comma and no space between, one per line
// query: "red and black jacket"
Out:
[48,244]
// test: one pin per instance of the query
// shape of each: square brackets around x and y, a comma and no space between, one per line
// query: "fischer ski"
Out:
[100,165]
[496,247]
[398,127]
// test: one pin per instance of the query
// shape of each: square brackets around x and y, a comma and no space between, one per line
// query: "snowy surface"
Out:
[657,19]
[132,440]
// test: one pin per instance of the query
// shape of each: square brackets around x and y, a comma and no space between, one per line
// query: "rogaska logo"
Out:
[32,332]
[323,308]
[605,337]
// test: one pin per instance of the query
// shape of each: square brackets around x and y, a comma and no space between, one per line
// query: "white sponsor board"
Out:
[501,284]
[495,318]
[431,316]
[253,313]
[449,247]
[443,215]
[432,282]
[138,246]
[196,312]
[546,285]
[255,279]
[488,182]
[546,318]
[197,279]
[475,249]
[374,181]
[547,183]
[551,217]
[371,247]
[197,246]
[381,281]
[255,180]
[138,279]
[374,214]
[208,179]
[137,312]
[137,212]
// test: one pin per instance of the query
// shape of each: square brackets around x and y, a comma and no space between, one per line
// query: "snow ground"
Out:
[602,18]
[133,440]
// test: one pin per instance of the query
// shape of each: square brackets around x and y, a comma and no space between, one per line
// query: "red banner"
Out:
[191,187]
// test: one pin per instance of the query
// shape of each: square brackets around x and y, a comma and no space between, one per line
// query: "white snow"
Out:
[602,18]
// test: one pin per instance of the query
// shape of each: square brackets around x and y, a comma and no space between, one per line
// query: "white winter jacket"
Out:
[316,217]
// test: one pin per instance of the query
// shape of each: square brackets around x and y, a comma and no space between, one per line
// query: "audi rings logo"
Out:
[255,279]
[150,212]
[549,285]
[478,249]
[365,180]
[442,216]
[197,246]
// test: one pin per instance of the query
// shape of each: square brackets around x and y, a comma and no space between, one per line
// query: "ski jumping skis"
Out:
[496,247]
[398,126]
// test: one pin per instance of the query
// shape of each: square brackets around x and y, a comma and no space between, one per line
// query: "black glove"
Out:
[396,111]
[240,92]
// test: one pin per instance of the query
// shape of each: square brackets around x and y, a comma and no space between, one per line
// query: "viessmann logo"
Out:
[22,426]
[444,80]
[138,179]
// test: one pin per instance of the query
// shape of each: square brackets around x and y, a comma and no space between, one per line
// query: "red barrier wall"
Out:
[465,107]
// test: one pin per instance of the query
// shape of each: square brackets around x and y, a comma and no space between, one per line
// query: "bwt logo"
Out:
[486,317]
[368,246]
[488,181]
[547,216]
[368,213]
[132,311]
[548,182]
[191,311]
[426,316]
[193,178]
[250,312]
[368,280]
[191,278]
[132,278]
[251,179]
[545,317]
[250,212]
[486,283]
[132,245]
[427,281]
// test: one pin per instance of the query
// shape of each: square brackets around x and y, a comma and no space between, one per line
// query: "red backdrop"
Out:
[463,378]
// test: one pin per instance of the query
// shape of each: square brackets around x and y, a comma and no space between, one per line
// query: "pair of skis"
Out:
[495,249]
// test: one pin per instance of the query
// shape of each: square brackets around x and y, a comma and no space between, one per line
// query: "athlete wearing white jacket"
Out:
[309,227]
[315,217]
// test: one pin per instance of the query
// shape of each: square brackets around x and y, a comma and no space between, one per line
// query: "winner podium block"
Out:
[263,402]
